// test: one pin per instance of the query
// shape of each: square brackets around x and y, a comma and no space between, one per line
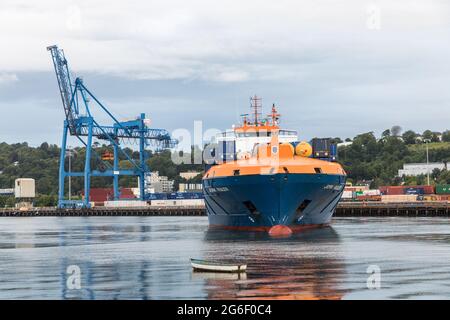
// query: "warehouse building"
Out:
[188,175]
[158,184]
[417,169]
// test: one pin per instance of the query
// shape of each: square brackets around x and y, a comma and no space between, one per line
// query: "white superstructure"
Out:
[245,141]
[239,142]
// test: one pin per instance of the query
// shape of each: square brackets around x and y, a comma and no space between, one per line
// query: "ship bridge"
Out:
[254,129]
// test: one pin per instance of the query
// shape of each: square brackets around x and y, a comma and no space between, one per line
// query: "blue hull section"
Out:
[262,201]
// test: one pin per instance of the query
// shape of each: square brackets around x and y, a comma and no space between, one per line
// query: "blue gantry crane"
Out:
[80,123]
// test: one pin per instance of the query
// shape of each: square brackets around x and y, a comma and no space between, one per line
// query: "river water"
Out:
[148,258]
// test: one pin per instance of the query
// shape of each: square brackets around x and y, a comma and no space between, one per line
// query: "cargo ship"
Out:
[264,179]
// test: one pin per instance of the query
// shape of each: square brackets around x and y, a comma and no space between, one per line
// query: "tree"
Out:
[435,173]
[427,135]
[409,137]
[44,146]
[6,201]
[336,140]
[386,133]
[396,131]
[435,137]
[446,136]
[46,201]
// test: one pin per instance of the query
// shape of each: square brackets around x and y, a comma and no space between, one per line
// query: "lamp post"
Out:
[428,161]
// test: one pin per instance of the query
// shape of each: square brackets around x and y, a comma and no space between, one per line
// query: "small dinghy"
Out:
[202,265]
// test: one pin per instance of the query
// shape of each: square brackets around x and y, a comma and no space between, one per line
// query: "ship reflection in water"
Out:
[148,258]
[277,268]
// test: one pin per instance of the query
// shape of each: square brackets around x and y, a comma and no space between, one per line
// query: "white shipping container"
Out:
[356,188]
[25,188]
[191,202]
[125,204]
[163,203]
[371,192]
[136,192]
[179,202]
[347,194]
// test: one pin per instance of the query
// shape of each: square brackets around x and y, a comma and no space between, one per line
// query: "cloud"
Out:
[204,40]
[321,61]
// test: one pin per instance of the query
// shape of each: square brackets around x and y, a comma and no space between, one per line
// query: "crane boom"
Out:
[65,86]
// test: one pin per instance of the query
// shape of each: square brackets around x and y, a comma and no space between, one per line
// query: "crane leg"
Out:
[62,171]
[116,176]
[143,165]
[87,166]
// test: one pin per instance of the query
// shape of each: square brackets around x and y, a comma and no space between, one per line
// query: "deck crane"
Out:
[80,122]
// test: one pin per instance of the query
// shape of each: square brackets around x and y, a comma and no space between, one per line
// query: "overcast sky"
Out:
[334,68]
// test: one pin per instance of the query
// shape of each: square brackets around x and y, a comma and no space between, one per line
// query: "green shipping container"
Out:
[443,189]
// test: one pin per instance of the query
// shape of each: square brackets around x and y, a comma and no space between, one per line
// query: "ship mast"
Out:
[255,117]
[274,115]
[256,106]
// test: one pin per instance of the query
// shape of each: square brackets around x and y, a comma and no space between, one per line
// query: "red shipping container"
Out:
[127,193]
[368,198]
[395,190]
[428,189]
[398,190]
[107,194]
[100,194]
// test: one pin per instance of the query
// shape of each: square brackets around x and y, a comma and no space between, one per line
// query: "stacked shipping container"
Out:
[397,193]
[107,194]
[443,189]
[399,190]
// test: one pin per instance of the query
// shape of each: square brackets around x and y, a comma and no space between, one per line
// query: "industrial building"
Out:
[158,184]
[7,192]
[188,175]
[190,187]
[25,188]
[417,169]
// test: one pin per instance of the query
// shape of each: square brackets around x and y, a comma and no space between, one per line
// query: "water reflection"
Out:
[106,278]
[148,258]
[277,268]
[144,258]
[35,254]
